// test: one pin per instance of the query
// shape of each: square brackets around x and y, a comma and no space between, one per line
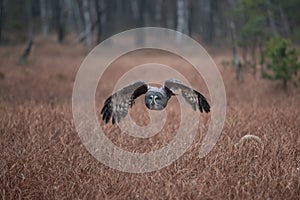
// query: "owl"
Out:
[117,105]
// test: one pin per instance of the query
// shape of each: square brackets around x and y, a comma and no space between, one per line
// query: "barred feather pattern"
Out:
[116,106]
[193,97]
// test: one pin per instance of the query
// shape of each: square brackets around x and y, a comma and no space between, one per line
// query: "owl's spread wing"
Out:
[116,106]
[192,96]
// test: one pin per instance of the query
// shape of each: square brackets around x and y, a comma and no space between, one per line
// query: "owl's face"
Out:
[155,101]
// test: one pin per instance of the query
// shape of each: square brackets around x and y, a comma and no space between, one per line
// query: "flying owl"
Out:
[116,106]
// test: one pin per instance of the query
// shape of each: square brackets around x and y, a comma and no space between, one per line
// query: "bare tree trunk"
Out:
[135,9]
[88,24]
[189,16]
[26,51]
[99,6]
[44,16]
[158,12]
[253,59]
[59,20]
[271,18]
[164,14]
[286,26]
[28,18]
[1,18]
[70,21]
[82,36]
[139,17]
[208,29]
[76,15]
[262,58]
[245,54]
[236,59]
[211,23]
[169,15]
[182,22]
[180,19]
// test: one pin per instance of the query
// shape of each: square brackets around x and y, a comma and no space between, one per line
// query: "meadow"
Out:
[42,156]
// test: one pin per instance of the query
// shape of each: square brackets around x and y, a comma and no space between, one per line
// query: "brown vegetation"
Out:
[42,156]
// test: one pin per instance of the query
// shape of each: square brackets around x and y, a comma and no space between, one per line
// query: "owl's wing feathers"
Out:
[116,106]
[192,96]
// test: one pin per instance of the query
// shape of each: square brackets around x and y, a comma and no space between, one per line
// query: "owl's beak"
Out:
[152,103]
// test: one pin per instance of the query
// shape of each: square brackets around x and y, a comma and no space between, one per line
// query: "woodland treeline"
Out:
[209,20]
[246,25]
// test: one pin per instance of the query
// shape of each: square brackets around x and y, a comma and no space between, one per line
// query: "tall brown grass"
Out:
[42,156]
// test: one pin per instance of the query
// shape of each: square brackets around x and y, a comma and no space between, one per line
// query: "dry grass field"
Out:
[42,156]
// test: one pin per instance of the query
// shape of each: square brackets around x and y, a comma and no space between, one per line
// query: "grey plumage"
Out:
[156,98]
[117,105]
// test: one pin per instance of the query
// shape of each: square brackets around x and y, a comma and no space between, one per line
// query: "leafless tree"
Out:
[59,18]
[100,16]
[271,18]
[182,18]
[138,8]
[286,26]
[44,17]
[236,59]
[88,24]
[29,43]
[1,17]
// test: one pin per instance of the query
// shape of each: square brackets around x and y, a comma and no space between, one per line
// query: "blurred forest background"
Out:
[206,19]
[249,26]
